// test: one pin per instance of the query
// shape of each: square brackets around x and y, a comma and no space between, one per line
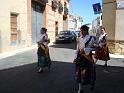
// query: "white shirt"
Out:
[83,41]
[44,39]
[87,48]
[101,39]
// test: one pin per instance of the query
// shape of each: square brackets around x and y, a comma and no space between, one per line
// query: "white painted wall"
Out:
[119,33]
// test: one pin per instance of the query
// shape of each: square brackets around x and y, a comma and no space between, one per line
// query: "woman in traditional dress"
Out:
[102,52]
[43,51]
[85,67]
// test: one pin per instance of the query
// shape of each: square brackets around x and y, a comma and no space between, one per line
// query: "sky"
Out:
[84,9]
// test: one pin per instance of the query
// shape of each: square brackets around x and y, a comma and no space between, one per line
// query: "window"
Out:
[54,5]
[60,7]
[13,22]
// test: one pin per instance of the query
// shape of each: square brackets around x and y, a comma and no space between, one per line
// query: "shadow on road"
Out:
[109,80]
[25,79]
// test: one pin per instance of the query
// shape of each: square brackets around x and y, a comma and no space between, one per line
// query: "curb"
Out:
[11,53]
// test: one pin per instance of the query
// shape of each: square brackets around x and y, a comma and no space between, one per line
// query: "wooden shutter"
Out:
[13,28]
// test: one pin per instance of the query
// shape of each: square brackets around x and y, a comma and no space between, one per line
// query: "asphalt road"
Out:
[61,78]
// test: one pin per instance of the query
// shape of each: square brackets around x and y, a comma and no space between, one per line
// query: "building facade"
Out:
[15,30]
[75,22]
[21,21]
[38,17]
[56,17]
[112,20]
[96,23]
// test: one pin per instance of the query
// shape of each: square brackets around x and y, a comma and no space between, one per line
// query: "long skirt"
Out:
[102,53]
[85,70]
[43,57]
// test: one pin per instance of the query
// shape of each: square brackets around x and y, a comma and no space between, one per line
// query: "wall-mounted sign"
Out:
[120,4]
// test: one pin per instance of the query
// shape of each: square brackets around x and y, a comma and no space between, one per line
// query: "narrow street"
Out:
[60,79]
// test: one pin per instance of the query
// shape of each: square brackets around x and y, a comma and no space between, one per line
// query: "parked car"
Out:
[65,36]
[77,33]
[74,34]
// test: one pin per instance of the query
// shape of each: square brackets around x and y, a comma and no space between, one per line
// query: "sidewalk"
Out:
[29,56]
[12,53]
[115,60]
[19,57]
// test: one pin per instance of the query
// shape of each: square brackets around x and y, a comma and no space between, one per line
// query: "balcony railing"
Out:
[65,11]
[41,1]
[60,7]
[54,5]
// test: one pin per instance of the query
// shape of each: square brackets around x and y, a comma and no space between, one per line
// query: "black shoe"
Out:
[105,65]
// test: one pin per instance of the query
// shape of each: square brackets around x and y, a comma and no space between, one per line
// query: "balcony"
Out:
[65,11]
[60,7]
[43,2]
[54,5]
